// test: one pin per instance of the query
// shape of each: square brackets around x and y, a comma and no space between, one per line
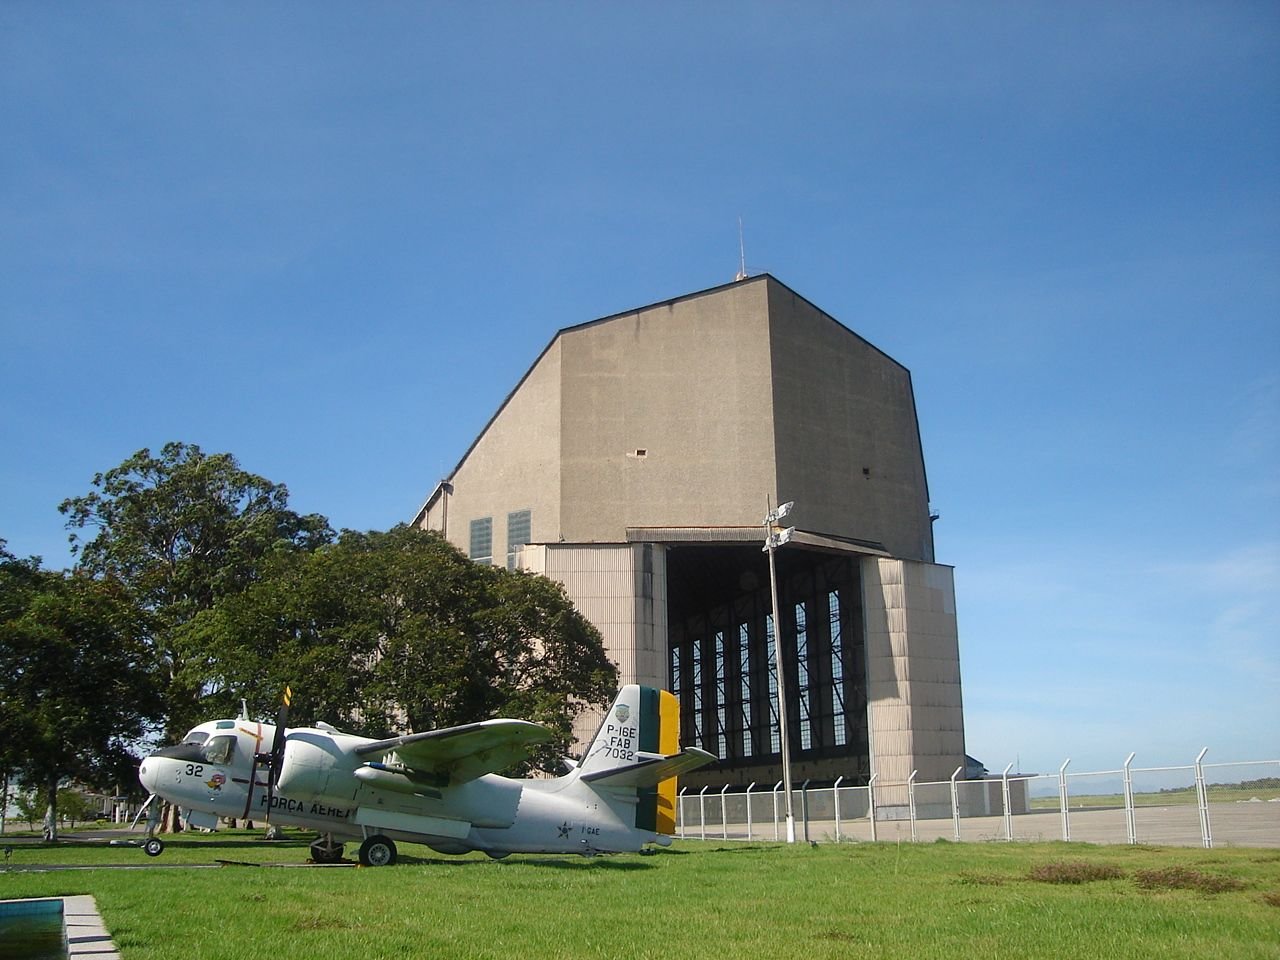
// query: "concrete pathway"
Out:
[86,934]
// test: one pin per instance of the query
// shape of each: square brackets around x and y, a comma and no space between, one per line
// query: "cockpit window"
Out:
[196,736]
[219,750]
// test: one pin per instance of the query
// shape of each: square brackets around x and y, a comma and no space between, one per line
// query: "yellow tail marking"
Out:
[668,743]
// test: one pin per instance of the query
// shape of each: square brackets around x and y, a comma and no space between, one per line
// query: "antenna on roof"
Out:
[742,254]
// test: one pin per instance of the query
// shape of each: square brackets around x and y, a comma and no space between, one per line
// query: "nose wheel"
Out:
[377,851]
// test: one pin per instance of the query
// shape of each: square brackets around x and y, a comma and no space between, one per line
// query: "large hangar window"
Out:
[771,657]
[519,525]
[723,666]
[481,540]
[803,680]
[744,688]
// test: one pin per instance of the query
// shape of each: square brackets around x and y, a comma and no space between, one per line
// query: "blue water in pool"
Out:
[32,931]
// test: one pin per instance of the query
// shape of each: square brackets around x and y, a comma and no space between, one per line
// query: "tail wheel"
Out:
[153,846]
[326,851]
[377,851]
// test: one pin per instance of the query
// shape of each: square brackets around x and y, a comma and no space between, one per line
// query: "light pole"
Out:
[774,537]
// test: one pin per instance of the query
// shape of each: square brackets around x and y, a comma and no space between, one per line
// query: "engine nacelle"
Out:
[315,768]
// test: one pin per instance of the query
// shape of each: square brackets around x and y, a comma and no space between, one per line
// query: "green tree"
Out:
[74,806]
[78,683]
[29,808]
[398,631]
[182,531]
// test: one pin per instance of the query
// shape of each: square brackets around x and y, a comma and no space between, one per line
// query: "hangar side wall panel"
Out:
[621,588]
[842,406]
[514,465]
[914,704]
[685,382]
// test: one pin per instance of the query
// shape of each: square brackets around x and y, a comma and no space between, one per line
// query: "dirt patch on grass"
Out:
[982,879]
[1271,899]
[1184,878]
[1074,871]
[839,936]
[321,923]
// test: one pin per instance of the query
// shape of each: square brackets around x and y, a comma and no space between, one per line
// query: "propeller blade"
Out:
[276,757]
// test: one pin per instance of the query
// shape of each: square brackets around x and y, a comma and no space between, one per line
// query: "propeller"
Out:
[275,758]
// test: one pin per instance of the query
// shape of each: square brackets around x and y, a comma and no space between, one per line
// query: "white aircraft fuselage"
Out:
[434,788]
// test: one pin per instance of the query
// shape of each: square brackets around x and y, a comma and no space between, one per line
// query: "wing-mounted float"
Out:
[441,787]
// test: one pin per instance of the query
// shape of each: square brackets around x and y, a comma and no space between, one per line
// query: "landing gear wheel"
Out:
[153,846]
[326,850]
[377,851]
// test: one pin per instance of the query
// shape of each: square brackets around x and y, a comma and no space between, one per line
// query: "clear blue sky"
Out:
[328,238]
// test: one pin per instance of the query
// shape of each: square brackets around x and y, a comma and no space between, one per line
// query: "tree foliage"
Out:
[182,531]
[398,631]
[78,683]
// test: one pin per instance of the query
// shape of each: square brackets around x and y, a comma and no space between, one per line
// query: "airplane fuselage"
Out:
[326,787]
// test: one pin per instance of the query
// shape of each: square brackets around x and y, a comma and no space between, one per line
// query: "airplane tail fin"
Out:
[638,747]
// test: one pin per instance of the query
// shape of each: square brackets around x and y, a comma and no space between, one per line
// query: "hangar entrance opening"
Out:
[722,664]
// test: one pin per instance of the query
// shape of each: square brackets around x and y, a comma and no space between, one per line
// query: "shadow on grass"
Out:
[582,863]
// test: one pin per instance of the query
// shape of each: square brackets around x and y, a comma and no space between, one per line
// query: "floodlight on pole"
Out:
[775,537]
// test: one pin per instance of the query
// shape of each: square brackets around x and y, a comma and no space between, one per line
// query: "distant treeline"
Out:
[1263,783]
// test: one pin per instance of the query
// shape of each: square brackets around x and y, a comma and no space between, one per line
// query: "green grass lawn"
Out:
[694,900]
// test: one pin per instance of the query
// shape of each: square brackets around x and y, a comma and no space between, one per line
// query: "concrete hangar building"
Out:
[635,462]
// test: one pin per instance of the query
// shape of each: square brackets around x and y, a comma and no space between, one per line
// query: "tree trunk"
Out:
[51,811]
[171,819]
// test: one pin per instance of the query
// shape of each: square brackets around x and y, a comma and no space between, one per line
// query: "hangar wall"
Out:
[848,444]
[512,466]
[622,589]
[667,416]
[634,437]
[915,720]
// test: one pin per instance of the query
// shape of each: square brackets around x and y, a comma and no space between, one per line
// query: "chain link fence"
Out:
[1200,804]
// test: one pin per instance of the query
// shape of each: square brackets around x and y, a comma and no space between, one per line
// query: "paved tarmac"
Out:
[1241,824]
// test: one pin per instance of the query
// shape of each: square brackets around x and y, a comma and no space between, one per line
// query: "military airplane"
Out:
[440,788]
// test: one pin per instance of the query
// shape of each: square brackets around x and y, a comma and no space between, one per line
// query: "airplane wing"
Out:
[651,771]
[459,754]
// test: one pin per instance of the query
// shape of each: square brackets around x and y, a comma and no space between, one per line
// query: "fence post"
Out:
[750,834]
[702,810]
[1130,818]
[724,814]
[1202,801]
[835,799]
[1064,801]
[871,804]
[911,802]
[683,791]
[955,804]
[1004,801]
[776,787]
[804,807]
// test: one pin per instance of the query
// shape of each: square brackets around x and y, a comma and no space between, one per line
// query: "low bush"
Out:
[1076,871]
[1184,878]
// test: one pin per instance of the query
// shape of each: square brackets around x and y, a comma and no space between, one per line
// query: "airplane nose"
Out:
[147,774]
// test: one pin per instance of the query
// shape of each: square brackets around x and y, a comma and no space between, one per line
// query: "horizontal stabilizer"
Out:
[651,772]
